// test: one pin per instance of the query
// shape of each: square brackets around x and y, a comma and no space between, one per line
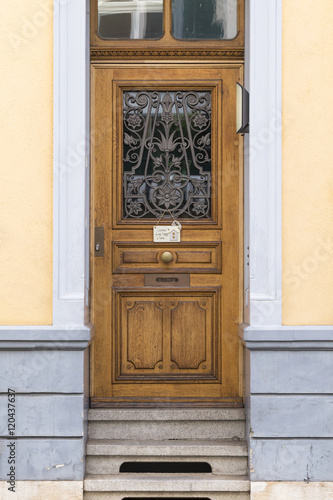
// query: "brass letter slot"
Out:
[167,280]
[170,280]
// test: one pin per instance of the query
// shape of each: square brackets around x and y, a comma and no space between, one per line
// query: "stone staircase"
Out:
[166,453]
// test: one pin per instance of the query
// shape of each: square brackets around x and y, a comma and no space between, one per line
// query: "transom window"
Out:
[130,19]
[204,19]
[191,19]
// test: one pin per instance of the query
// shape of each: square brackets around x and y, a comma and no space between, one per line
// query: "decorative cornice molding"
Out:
[65,338]
[108,54]
[286,338]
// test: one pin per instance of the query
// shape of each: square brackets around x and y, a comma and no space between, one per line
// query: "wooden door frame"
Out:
[166,52]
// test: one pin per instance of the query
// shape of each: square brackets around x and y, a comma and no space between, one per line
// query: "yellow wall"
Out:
[26,162]
[307,162]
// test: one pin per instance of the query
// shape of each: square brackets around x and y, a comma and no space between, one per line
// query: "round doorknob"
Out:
[167,257]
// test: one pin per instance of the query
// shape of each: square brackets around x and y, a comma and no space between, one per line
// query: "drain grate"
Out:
[166,467]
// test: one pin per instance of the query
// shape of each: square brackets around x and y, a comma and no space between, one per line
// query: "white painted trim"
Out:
[71,43]
[263,147]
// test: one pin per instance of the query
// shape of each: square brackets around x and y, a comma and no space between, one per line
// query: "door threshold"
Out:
[166,403]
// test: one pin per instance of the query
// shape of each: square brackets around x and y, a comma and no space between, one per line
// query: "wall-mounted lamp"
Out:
[242,109]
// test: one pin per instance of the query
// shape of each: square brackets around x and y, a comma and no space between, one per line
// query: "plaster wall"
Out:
[307,96]
[26,162]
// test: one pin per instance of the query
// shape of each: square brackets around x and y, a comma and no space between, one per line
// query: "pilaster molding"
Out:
[263,160]
[70,159]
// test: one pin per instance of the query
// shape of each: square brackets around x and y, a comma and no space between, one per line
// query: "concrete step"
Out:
[159,424]
[224,495]
[117,487]
[168,414]
[224,456]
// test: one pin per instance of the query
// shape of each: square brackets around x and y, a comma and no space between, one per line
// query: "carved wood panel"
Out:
[144,339]
[166,335]
[145,257]
[189,329]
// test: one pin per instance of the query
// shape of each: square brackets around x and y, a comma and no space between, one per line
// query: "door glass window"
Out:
[204,19]
[130,19]
[167,154]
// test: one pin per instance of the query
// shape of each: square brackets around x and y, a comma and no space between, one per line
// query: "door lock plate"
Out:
[99,242]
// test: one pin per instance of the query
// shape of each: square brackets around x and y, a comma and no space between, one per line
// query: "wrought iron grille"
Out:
[167,154]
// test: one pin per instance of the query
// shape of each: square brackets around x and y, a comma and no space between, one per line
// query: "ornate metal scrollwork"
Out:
[167,154]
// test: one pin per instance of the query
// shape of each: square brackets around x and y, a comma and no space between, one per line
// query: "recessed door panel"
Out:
[190,326]
[144,257]
[163,335]
[142,339]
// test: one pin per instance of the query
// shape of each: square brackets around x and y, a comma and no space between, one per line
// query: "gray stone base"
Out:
[47,368]
[289,403]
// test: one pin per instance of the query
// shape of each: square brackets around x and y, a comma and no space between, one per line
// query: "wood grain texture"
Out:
[140,257]
[189,331]
[143,329]
[165,335]
[172,345]
[146,257]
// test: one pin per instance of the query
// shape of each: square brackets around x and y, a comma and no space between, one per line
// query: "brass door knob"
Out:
[167,257]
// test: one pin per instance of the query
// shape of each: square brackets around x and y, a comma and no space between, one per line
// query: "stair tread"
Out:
[188,447]
[160,414]
[165,482]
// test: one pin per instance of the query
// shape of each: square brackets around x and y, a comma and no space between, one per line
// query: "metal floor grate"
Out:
[166,467]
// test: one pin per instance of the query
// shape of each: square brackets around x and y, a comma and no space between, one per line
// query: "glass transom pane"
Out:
[204,19]
[167,154]
[130,19]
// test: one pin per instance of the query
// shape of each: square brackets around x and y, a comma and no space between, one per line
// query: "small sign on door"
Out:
[167,234]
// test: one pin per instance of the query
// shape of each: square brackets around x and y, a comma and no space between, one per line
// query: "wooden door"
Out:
[164,145]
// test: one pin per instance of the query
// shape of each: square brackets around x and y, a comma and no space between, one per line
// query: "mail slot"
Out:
[170,280]
[167,280]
